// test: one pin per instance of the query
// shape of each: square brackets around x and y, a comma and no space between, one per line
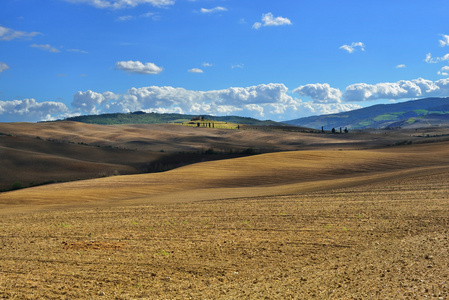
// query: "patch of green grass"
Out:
[421,111]
[386,117]
[162,253]
[410,121]
[63,225]
[247,223]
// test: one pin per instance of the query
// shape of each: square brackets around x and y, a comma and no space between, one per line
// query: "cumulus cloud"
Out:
[45,47]
[265,100]
[8,34]
[213,10]
[137,67]
[351,48]
[3,67]
[402,66]
[90,102]
[119,4]
[195,70]
[444,41]
[30,110]
[269,20]
[320,93]
[402,89]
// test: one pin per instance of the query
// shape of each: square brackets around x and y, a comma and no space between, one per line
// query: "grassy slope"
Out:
[156,118]
[379,116]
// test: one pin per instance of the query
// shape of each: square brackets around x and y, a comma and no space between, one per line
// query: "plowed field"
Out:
[323,225]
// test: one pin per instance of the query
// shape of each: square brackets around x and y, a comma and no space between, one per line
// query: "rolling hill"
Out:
[141,117]
[411,114]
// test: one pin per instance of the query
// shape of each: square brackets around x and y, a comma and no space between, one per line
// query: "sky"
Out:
[278,60]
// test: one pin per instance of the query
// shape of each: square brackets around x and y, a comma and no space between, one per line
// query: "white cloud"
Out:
[3,67]
[137,67]
[433,60]
[402,66]
[77,51]
[46,47]
[444,71]
[30,110]
[153,16]
[118,4]
[444,41]
[261,101]
[402,89]
[320,93]
[238,66]
[124,18]
[351,48]
[195,70]
[207,64]
[213,10]
[269,20]
[429,59]
[90,102]
[257,25]
[8,34]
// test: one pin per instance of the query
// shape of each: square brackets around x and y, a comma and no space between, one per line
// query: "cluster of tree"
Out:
[198,118]
[335,131]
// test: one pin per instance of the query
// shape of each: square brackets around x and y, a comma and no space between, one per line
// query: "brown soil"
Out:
[320,224]
[37,153]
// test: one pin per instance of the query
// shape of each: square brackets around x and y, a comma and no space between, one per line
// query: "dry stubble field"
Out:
[372,226]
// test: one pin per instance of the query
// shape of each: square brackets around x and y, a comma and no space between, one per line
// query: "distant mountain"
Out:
[410,114]
[141,117]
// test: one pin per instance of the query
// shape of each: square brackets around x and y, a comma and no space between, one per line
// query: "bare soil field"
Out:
[311,224]
[38,153]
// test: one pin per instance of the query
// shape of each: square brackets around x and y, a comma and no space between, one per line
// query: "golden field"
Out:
[334,217]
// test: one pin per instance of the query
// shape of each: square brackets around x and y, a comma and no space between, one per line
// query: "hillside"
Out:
[36,153]
[141,117]
[411,114]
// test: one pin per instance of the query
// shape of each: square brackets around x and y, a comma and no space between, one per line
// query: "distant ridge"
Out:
[410,114]
[141,117]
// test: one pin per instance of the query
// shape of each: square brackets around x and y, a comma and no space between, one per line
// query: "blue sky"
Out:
[276,60]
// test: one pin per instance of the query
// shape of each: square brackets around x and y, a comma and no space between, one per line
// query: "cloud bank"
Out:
[320,93]
[265,101]
[30,110]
